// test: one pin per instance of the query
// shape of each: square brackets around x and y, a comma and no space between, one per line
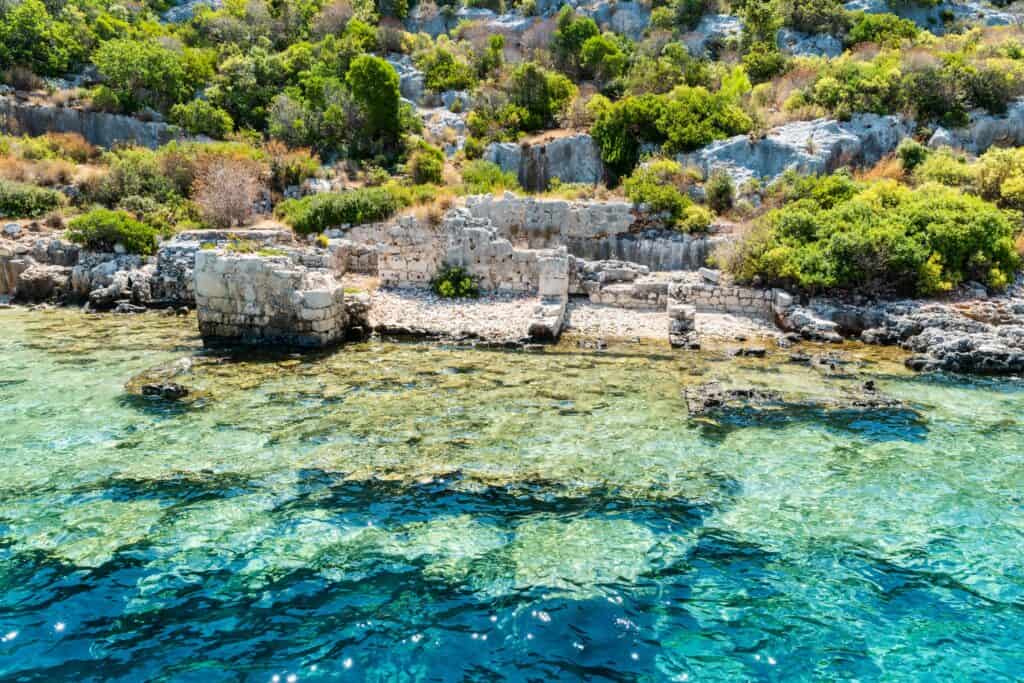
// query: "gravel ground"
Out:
[496,317]
[597,320]
[728,326]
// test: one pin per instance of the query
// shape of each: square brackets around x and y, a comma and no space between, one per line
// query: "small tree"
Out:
[374,85]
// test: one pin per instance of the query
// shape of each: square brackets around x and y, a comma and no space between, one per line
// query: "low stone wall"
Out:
[725,297]
[411,254]
[252,299]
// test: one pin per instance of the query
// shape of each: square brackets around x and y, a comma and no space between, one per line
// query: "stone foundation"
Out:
[252,299]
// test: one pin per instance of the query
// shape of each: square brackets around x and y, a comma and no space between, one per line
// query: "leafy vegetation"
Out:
[455,282]
[883,237]
[102,229]
[18,200]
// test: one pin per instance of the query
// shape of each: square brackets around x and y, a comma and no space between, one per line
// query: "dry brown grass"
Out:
[888,168]
[1019,245]
[46,172]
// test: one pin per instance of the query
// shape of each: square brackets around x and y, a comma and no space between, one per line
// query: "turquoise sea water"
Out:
[406,512]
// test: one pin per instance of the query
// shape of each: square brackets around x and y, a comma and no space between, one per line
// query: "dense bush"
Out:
[454,282]
[145,73]
[442,70]
[815,16]
[884,238]
[911,153]
[18,200]
[720,191]
[884,29]
[329,210]
[541,94]
[199,117]
[481,177]
[426,163]
[660,186]
[31,37]
[101,229]
[568,39]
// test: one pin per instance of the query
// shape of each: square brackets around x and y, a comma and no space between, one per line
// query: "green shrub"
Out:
[454,282]
[101,229]
[568,39]
[763,61]
[320,212]
[696,219]
[442,70]
[885,238]
[481,177]
[694,117]
[911,153]
[473,148]
[688,13]
[884,29]
[720,191]
[621,128]
[999,177]
[659,185]
[946,168]
[18,200]
[426,163]
[199,117]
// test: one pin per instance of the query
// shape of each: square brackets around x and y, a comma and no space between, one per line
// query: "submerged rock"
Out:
[713,399]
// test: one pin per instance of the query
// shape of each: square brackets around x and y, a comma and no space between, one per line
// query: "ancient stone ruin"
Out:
[258,299]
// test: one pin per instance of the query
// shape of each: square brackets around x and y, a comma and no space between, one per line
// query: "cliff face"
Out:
[98,128]
[573,159]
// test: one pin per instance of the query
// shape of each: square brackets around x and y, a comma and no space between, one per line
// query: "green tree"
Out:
[31,37]
[569,37]
[374,85]
[199,117]
[144,73]
[542,94]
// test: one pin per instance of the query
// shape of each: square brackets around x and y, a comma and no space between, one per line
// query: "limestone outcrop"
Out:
[267,300]
[98,128]
[984,131]
[932,16]
[808,147]
[572,159]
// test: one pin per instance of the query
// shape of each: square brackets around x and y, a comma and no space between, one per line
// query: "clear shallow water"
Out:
[412,513]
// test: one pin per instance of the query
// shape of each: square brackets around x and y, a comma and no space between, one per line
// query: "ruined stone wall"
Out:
[252,299]
[590,230]
[723,298]
[413,252]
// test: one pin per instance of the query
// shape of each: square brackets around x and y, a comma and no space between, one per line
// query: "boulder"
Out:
[808,147]
[39,283]
[571,159]
[713,32]
[804,44]
[12,230]
[985,130]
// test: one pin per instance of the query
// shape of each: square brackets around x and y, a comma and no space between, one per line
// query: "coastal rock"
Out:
[808,147]
[712,399]
[39,283]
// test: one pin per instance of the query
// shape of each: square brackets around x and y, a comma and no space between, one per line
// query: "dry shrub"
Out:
[89,181]
[1019,245]
[332,18]
[576,115]
[538,36]
[390,35]
[226,188]
[919,59]
[888,168]
[22,78]
[47,173]
[55,220]
[290,166]
[72,146]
